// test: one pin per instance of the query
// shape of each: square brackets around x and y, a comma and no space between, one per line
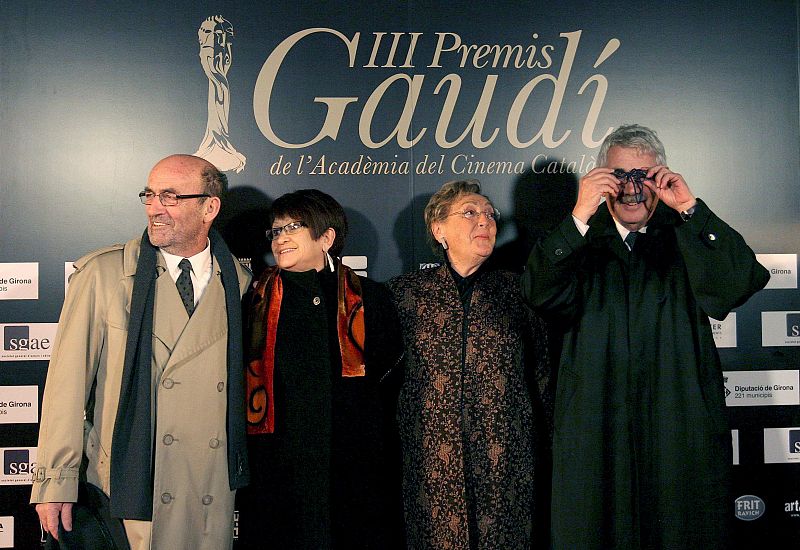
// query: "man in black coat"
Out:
[642,449]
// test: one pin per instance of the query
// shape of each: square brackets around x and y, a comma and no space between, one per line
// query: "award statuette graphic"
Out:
[215,35]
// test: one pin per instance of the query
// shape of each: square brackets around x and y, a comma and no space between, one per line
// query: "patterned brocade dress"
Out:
[474,410]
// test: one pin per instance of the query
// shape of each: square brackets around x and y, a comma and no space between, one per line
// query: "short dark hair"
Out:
[215,183]
[317,210]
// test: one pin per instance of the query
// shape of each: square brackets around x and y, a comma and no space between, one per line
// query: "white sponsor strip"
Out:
[735,443]
[18,464]
[724,331]
[6,531]
[355,262]
[780,328]
[19,404]
[781,445]
[19,281]
[27,341]
[767,387]
[782,269]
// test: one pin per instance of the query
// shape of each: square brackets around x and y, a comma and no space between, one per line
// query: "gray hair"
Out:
[438,206]
[633,136]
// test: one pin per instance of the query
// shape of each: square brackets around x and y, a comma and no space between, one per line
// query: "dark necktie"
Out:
[631,239]
[185,288]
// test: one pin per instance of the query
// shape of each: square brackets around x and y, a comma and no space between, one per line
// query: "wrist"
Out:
[687,213]
[686,205]
[581,215]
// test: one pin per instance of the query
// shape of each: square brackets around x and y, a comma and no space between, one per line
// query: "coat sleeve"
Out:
[723,270]
[384,343]
[70,376]
[550,281]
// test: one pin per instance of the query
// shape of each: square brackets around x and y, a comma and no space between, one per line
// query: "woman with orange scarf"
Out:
[322,380]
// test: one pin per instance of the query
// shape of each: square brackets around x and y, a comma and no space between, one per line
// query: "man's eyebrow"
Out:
[167,190]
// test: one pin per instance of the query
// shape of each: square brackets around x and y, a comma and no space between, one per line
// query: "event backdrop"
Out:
[379,104]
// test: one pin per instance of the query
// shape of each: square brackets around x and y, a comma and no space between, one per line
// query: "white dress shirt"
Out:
[201,269]
[621,229]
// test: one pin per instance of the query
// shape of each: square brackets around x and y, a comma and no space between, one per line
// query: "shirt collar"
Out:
[623,231]
[201,262]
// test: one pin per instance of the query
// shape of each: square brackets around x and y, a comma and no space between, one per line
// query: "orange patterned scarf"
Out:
[264,314]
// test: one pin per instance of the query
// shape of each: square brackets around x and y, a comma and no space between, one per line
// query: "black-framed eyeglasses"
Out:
[636,177]
[475,215]
[167,198]
[290,229]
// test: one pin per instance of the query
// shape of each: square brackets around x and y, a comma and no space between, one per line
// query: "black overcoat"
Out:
[642,448]
[329,477]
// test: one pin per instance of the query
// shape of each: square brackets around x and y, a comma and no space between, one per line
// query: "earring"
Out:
[443,243]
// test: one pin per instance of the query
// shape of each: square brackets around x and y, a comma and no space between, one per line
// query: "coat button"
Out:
[213,443]
[208,499]
[168,383]
[558,252]
[712,237]
[168,439]
[316,300]
[220,386]
[166,498]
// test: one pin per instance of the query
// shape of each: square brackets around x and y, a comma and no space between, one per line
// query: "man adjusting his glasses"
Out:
[642,449]
[144,399]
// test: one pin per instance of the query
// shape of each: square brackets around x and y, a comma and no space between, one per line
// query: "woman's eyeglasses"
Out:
[289,229]
[475,215]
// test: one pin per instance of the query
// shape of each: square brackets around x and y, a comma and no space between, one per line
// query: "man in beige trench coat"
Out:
[145,383]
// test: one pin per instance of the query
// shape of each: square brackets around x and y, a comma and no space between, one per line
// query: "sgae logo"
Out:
[17,462]
[794,441]
[793,324]
[18,338]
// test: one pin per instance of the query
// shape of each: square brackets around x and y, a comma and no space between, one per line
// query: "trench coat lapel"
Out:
[169,318]
[206,326]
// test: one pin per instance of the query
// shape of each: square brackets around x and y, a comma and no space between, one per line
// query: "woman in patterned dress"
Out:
[474,401]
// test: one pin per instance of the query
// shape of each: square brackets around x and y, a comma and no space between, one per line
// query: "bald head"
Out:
[214,182]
